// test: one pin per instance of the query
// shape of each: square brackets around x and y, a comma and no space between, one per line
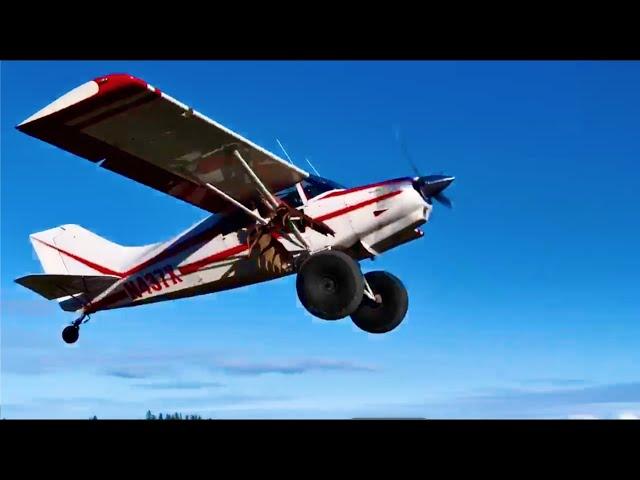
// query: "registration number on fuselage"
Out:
[155,281]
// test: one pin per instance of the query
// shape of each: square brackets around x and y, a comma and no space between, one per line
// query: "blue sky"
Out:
[523,299]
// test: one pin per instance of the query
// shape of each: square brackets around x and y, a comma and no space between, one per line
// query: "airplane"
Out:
[269,218]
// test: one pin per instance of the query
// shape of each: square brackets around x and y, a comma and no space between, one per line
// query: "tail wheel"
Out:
[330,285]
[388,313]
[71,334]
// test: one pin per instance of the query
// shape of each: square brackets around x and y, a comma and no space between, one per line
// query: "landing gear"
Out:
[71,333]
[390,305]
[330,284]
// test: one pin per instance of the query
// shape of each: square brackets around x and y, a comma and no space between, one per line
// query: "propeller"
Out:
[405,152]
[429,186]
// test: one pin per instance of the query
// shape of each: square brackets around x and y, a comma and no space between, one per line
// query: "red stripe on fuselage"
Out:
[356,206]
[216,257]
[172,250]
[192,267]
[202,238]
[229,252]
[364,187]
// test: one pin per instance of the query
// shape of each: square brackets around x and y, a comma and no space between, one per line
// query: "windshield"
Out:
[312,186]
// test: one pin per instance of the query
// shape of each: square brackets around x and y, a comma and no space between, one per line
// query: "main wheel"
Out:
[330,284]
[70,334]
[388,313]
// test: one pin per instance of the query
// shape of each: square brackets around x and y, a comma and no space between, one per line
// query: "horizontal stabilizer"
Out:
[52,287]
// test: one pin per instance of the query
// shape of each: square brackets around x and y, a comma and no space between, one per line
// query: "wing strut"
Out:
[303,195]
[270,199]
[265,192]
[236,203]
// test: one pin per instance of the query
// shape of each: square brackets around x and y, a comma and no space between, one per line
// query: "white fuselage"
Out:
[212,255]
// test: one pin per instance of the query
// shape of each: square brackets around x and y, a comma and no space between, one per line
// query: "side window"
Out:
[312,190]
[291,196]
[314,186]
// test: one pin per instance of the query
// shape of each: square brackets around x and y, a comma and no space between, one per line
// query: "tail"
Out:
[73,250]
[78,264]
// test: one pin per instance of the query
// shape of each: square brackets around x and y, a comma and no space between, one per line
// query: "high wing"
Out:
[134,129]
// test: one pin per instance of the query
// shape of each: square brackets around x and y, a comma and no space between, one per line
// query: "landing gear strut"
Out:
[388,309]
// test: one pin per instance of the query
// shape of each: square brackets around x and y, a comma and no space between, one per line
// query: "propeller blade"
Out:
[405,152]
[443,199]
[429,186]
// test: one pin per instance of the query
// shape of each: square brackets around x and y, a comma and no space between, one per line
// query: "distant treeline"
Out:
[166,416]
[171,416]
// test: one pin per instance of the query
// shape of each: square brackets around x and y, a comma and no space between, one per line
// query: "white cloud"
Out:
[288,368]
[582,416]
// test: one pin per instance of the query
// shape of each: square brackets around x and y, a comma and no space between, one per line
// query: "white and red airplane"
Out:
[270,218]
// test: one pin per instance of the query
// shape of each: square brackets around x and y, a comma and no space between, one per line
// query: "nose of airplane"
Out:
[432,186]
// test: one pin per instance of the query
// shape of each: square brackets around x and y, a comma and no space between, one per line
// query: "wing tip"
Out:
[22,280]
[72,97]
[114,81]
[99,86]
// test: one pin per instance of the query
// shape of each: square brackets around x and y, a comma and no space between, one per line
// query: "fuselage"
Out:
[213,256]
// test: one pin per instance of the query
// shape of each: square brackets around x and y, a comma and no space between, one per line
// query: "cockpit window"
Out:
[312,186]
[290,196]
